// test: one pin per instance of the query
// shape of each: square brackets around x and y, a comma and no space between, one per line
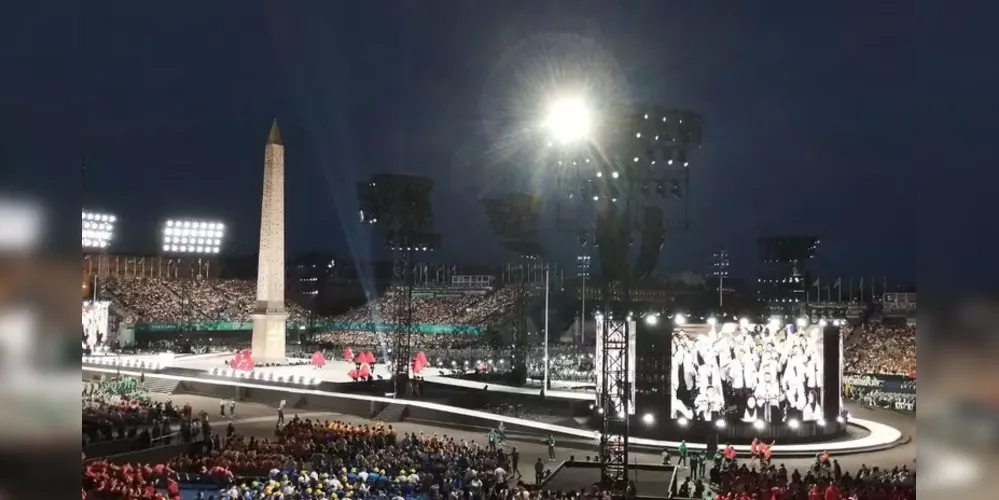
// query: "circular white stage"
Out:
[879,436]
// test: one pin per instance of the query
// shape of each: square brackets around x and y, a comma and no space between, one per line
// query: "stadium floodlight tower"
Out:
[399,207]
[194,243]
[514,218]
[620,169]
[98,232]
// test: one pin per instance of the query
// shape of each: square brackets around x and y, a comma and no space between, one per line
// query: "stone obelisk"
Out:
[269,316]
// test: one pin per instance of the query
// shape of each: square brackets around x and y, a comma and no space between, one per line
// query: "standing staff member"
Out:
[491,438]
[281,412]
[550,441]
[683,454]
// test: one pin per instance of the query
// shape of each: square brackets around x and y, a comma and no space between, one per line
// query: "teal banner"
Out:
[229,326]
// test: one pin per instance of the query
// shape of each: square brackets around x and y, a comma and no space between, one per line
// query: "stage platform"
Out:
[197,373]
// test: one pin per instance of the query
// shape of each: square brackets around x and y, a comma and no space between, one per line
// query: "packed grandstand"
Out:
[874,347]
[374,461]
[313,459]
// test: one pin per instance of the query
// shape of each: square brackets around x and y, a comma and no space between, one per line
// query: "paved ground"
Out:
[259,420]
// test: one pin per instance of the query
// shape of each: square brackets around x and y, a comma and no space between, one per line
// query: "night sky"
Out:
[824,121]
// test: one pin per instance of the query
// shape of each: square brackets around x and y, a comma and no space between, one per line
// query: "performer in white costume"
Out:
[689,359]
[708,403]
[736,374]
[812,411]
[769,396]
[750,365]
[751,414]
[680,410]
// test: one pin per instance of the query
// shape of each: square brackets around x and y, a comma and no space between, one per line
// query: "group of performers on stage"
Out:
[765,374]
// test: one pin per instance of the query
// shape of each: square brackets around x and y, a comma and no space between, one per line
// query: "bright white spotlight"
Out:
[840,419]
[822,323]
[712,320]
[758,424]
[568,120]
[648,419]
[683,421]
[802,322]
[680,319]
[720,423]
[98,229]
[195,237]
[744,323]
[651,320]
[793,424]
[774,324]
[821,422]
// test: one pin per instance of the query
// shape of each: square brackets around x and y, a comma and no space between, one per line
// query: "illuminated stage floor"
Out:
[878,436]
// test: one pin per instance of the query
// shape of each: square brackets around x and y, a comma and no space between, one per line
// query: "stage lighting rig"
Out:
[399,207]
[98,230]
[515,218]
[622,177]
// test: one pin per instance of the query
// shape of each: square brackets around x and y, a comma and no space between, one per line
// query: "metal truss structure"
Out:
[650,167]
[399,206]
[518,322]
[402,305]
[615,366]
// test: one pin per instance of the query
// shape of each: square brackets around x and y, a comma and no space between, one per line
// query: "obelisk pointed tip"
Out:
[274,137]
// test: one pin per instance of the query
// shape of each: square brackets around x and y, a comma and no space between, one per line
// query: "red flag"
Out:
[365,370]
[318,359]
[348,355]
[422,357]
[352,374]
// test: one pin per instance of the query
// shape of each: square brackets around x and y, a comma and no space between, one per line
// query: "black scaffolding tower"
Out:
[515,218]
[399,207]
[625,192]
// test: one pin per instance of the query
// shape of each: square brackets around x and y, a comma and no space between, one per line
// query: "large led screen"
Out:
[95,323]
[747,374]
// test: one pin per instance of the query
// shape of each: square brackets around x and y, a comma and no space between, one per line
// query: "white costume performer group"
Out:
[752,374]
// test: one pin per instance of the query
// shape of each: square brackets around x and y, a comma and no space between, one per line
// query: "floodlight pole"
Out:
[545,380]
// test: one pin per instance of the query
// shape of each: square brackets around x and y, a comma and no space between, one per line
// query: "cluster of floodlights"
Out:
[98,229]
[681,319]
[123,363]
[193,236]
[793,424]
[265,377]
[466,363]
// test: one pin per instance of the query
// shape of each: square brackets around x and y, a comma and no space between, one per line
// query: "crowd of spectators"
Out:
[730,480]
[105,480]
[880,349]
[569,363]
[157,300]
[440,309]
[322,459]
[436,345]
[312,460]
[118,415]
